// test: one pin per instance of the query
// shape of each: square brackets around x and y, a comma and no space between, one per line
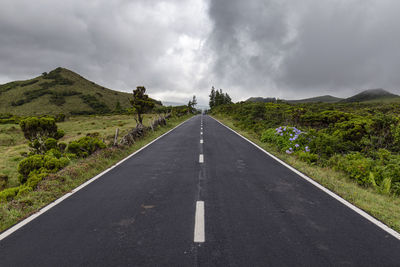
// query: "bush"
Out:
[8,194]
[40,163]
[85,146]
[50,143]
[288,139]
[53,164]
[34,179]
[355,165]
[28,165]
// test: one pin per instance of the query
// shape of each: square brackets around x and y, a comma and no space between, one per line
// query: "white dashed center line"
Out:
[199,236]
[201,158]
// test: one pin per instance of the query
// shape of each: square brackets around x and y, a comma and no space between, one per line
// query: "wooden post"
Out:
[116,136]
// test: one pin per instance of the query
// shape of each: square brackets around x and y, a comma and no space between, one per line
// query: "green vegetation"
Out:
[360,141]
[60,91]
[217,98]
[141,103]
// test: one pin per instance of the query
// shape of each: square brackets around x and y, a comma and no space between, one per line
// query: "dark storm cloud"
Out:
[176,48]
[120,44]
[297,49]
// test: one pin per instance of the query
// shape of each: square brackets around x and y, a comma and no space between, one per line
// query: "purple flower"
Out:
[307,149]
[281,134]
[290,148]
[291,134]
[296,145]
[288,152]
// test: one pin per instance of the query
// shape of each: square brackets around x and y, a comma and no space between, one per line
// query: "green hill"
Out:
[372,95]
[59,91]
[324,99]
[261,99]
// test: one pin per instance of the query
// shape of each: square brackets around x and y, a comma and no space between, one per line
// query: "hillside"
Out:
[261,99]
[324,99]
[372,95]
[59,91]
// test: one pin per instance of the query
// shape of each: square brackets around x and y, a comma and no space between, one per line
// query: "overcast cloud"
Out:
[177,48]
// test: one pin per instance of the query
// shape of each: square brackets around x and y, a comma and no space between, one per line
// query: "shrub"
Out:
[34,179]
[85,146]
[24,190]
[8,194]
[31,163]
[54,152]
[355,165]
[96,105]
[289,139]
[53,164]
[50,143]
[40,163]
[39,131]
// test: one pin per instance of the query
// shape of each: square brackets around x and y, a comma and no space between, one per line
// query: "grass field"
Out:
[13,143]
[383,207]
[80,170]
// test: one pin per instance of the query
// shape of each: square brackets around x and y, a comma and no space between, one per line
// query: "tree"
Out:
[141,103]
[212,97]
[217,97]
[192,103]
[42,133]
[228,99]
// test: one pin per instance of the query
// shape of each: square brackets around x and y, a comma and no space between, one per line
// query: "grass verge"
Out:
[383,207]
[76,173]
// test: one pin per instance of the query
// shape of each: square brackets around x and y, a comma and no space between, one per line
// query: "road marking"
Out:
[199,236]
[201,141]
[201,158]
[201,132]
[329,192]
[67,195]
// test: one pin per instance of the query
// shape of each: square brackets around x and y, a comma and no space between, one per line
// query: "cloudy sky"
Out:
[273,48]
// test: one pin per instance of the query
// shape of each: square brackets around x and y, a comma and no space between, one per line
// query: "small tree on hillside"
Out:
[141,103]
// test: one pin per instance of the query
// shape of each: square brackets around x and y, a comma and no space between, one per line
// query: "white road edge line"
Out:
[201,141]
[199,236]
[67,195]
[201,158]
[329,192]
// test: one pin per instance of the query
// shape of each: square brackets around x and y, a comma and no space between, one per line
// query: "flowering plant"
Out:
[288,139]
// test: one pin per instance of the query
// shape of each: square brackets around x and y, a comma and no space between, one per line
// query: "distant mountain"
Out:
[371,95]
[324,99]
[59,91]
[261,99]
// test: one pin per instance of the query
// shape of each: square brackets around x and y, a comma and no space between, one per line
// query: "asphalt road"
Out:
[148,212]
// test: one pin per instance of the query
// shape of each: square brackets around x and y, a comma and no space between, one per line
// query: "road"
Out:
[186,202]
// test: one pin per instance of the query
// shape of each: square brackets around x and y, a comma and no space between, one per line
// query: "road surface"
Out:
[200,196]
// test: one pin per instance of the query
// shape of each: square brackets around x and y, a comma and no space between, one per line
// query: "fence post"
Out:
[116,136]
